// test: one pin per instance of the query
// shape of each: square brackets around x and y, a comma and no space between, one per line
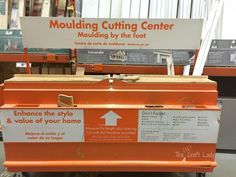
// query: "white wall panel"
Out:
[153,9]
[116,6]
[135,7]
[184,8]
[104,8]
[90,8]
[229,22]
[144,8]
[125,9]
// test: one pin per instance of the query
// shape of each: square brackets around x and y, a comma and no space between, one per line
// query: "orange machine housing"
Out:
[97,95]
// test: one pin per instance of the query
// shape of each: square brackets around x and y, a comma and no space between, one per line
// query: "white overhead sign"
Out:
[96,33]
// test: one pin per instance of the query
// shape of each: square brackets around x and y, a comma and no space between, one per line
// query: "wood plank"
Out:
[125,78]
[165,79]
[55,78]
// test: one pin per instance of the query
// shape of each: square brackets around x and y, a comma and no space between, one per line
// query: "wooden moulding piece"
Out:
[65,101]
[163,79]
[57,78]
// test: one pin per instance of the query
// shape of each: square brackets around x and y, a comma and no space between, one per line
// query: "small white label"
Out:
[192,126]
[42,125]
[21,65]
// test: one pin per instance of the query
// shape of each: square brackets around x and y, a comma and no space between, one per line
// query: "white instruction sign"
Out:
[102,33]
[185,126]
[42,125]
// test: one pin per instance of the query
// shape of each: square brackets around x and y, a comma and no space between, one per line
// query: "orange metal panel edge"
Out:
[49,96]
[107,157]
[112,166]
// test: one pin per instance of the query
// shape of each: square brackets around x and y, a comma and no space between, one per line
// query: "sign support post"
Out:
[28,70]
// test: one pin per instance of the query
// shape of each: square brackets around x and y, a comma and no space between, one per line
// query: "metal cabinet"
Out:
[227,132]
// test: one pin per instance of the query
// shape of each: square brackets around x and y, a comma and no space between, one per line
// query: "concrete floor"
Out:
[226,168]
[2,157]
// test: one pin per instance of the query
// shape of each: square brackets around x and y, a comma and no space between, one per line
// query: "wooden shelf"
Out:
[130,69]
[35,58]
[115,69]
[220,71]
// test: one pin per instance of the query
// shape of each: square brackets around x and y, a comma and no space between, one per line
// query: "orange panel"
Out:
[97,67]
[51,57]
[125,132]
[165,97]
